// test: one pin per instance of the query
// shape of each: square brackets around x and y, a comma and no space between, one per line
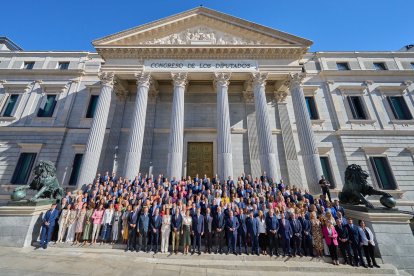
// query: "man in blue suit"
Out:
[232,225]
[142,229]
[156,223]
[297,235]
[219,224]
[242,232]
[48,225]
[252,225]
[354,240]
[272,229]
[176,223]
[285,232]
[307,236]
[198,230]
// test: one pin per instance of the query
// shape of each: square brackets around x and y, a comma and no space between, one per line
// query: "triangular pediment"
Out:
[201,26]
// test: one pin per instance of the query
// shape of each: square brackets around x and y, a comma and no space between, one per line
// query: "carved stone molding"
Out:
[296,80]
[153,92]
[120,90]
[107,78]
[179,79]
[280,96]
[247,93]
[368,82]
[408,83]
[222,79]
[143,79]
[259,79]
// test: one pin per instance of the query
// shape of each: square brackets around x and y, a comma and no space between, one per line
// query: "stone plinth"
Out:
[393,235]
[20,225]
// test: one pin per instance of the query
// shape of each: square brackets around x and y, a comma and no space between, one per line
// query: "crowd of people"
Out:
[248,215]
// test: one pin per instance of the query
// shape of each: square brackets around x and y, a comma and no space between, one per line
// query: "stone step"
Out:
[229,263]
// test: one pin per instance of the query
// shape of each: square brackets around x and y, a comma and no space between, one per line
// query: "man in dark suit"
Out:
[252,225]
[307,236]
[242,231]
[208,230]
[132,229]
[143,228]
[343,240]
[232,225]
[285,232]
[218,223]
[48,225]
[354,240]
[198,230]
[297,235]
[156,223]
[272,229]
[176,223]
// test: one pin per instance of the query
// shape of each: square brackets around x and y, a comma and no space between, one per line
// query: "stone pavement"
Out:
[102,261]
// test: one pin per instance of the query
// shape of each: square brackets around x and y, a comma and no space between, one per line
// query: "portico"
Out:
[192,78]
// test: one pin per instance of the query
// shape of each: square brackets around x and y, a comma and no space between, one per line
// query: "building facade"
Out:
[203,92]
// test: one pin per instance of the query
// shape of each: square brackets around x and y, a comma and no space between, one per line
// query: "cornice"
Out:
[373,73]
[46,72]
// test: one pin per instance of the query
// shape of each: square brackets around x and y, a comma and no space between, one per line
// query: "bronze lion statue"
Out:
[356,189]
[44,182]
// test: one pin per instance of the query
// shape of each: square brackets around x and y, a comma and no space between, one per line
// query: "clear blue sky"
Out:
[350,25]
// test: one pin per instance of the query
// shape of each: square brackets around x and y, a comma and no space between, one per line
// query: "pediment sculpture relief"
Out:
[201,35]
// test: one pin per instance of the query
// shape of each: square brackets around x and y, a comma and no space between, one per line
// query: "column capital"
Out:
[259,78]
[179,79]
[247,92]
[222,79]
[143,79]
[280,96]
[295,80]
[153,92]
[107,78]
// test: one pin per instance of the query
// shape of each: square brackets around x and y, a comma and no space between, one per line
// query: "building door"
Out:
[200,159]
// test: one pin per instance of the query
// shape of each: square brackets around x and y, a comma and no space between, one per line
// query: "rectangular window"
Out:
[399,108]
[63,65]
[77,161]
[379,66]
[24,168]
[10,104]
[412,65]
[342,66]
[92,106]
[357,108]
[48,107]
[383,173]
[28,65]
[310,103]
[326,169]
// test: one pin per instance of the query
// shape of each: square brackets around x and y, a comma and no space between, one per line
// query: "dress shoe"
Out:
[377,266]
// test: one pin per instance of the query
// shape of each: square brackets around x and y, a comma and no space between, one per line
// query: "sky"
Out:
[333,25]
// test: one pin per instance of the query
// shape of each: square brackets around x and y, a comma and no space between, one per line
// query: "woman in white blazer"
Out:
[368,244]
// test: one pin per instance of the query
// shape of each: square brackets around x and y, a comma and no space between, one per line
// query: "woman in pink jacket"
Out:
[97,222]
[331,235]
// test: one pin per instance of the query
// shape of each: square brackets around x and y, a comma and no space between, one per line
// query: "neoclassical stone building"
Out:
[204,92]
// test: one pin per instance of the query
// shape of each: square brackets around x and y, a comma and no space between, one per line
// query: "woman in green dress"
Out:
[87,229]
[187,223]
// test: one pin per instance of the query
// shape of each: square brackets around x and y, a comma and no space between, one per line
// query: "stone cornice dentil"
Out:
[222,79]
[179,79]
[295,80]
[143,79]
[259,79]
[107,78]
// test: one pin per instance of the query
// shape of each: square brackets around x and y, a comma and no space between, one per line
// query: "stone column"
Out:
[96,136]
[175,146]
[308,148]
[137,129]
[224,150]
[264,132]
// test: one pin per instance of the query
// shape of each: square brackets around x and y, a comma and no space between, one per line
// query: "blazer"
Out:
[252,226]
[285,231]
[156,223]
[296,227]
[334,237]
[354,235]
[218,221]
[143,222]
[272,223]
[306,227]
[232,223]
[208,220]
[198,224]
[343,232]
[242,223]
[51,217]
[364,239]
[176,222]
